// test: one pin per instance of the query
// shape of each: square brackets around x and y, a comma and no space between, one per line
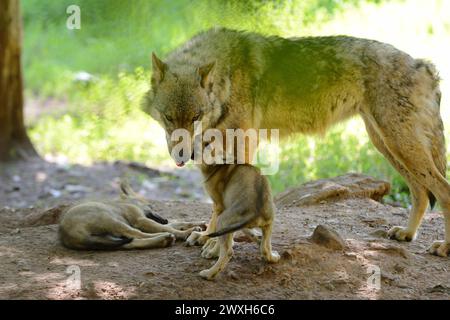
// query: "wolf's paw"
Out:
[207,274]
[273,257]
[211,249]
[167,239]
[183,235]
[197,239]
[400,234]
[440,248]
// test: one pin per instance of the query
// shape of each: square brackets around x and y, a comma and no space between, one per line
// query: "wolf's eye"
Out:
[168,118]
[196,117]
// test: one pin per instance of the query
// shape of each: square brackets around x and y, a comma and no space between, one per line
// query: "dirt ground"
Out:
[35,266]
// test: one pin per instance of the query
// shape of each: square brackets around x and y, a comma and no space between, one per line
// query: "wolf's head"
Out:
[181,95]
[128,195]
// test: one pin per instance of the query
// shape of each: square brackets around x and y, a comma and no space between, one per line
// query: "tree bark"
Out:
[14,141]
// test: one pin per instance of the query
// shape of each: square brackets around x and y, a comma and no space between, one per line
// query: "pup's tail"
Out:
[232,228]
[105,242]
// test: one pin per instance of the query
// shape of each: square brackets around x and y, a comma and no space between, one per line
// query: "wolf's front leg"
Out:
[183,226]
[199,238]
[211,248]
[226,252]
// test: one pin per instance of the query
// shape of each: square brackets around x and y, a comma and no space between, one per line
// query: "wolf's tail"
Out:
[105,242]
[232,228]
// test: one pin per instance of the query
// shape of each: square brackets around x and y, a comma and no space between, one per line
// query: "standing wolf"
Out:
[231,79]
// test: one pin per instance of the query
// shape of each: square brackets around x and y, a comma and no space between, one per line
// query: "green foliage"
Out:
[102,120]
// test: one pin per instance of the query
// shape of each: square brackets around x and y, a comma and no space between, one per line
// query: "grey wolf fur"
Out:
[128,223]
[231,79]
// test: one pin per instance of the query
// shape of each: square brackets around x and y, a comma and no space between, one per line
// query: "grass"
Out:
[102,120]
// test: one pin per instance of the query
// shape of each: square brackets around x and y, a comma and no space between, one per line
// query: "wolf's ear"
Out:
[126,190]
[159,69]
[206,74]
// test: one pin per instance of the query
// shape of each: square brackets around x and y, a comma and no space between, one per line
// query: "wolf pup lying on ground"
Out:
[242,200]
[127,223]
[228,79]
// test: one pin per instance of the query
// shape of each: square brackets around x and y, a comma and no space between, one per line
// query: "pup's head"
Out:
[128,194]
[182,95]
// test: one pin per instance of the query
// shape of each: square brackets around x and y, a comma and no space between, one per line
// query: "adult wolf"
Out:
[231,79]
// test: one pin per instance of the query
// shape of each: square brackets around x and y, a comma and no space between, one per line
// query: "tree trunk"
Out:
[14,142]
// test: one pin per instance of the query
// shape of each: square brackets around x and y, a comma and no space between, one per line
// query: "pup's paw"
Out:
[183,235]
[207,274]
[183,226]
[197,239]
[400,234]
[273,257]
[211,249]
[168,239]
[440,248]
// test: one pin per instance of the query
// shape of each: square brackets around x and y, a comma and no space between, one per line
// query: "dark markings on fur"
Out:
[106,242]
[94,242]
[432,199]
[155,217]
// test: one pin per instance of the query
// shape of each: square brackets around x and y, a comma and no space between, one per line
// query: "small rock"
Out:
[328,238]
[233,275]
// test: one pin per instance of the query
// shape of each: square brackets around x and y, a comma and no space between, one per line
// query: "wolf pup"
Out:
[242,200]
[127,223]
[229,79]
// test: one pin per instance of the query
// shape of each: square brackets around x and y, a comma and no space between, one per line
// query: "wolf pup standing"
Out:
[128,223]
[242,200]
[229,79]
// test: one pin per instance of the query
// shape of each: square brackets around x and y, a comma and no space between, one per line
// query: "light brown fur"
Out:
[305,85]
[242,200]
[119,224]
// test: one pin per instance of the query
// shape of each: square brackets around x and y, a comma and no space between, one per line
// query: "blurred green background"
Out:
[82,122]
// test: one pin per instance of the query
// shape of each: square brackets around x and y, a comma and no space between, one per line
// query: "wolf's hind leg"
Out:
[150,226]
[160,240]
[253,234]
[420,149]
[419,194]
[179,225]
[226,252]
[442,248]
[266,245]
[123,229]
